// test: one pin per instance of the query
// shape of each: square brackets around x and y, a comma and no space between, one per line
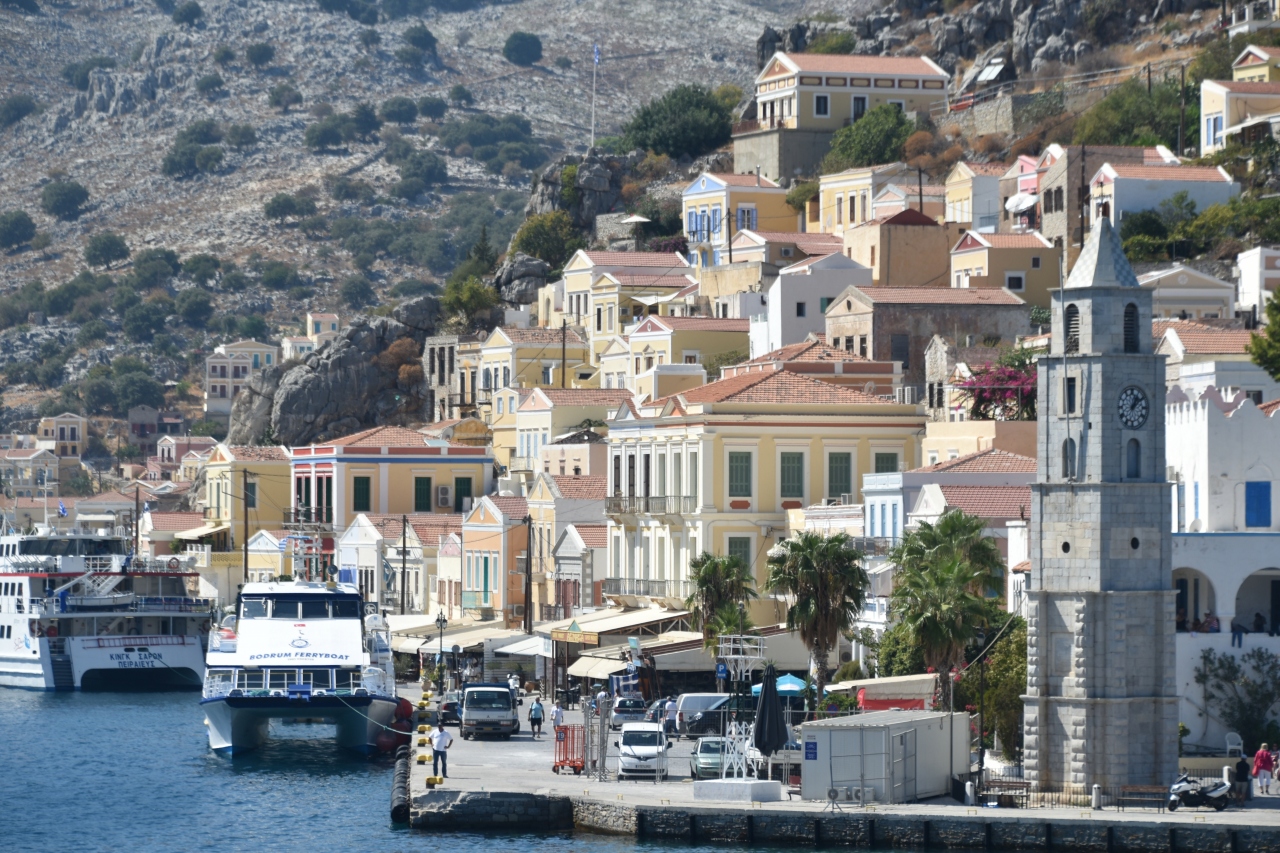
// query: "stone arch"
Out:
[1196,597]
[1133,459]
[1071,323]
[1254,597]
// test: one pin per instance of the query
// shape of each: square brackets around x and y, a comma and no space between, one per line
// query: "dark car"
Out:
[657,711]
[450,707]
[711,721]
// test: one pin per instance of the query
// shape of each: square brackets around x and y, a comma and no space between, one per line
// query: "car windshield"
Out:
[710,747]
[489,700]
[630,705]
[640,738]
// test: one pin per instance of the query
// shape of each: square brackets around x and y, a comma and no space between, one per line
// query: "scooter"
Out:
[1184,792]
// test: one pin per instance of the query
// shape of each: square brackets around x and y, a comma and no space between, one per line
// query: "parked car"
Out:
[657,711]
[642,751]
[489,709]
[626,711]
[708,757]
[688,705]
[709,721]
[451,707]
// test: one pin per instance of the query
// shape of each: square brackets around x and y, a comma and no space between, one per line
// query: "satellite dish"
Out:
[869,388]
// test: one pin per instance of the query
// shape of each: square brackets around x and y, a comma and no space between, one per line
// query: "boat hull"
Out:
[158,662]
[241,723]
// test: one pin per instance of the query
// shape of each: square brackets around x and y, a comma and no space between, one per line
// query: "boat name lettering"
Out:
[127,659]
[270,655]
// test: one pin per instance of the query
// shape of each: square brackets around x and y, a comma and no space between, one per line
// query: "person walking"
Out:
[535,717]
[1263,764]
[441,740]
[671,715]
[557,715]
[1240,783]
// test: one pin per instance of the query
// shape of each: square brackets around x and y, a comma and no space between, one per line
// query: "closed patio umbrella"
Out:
[770,734]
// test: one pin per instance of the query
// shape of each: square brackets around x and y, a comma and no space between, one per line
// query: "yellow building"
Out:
[555,502]
[63,435]
[548,413]
[907,249]
[684,340]
[385,470]
[526,358]
[845,198]
[246,490]
[779,249]
[495,541]
[717,206]
[1229,108]
[1025,264]
[1257,64]
[717,468]
[973,195]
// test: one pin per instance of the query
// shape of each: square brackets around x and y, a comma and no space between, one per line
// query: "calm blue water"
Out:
[132,773]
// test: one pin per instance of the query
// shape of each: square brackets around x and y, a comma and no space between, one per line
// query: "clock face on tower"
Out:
[1133,407]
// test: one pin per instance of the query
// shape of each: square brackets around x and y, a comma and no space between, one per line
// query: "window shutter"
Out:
[741,217]
[740,475]
[839,474]
[1257,504]
[792,475]
[422,494]
[360,494]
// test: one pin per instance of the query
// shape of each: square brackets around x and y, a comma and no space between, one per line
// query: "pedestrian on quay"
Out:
[1240,784]
[557,715]
[1263,764]
[671,715]
[441,740]
[535,717]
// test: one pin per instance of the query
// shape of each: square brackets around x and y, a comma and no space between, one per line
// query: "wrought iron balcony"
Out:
[646,587]
[674,505]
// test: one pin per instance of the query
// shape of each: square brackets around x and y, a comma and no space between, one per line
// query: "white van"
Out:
[642,750]
[489,709]
[689,705]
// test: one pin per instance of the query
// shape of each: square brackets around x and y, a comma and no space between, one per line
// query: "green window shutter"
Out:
[360,494]
[886,463]
[251,495]
[839,474]
[422,494]
[740,474]
[740,547]
[792,475]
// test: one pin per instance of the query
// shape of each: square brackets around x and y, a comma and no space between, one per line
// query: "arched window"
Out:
[1072,325]
[1131,328]
[1133,459]
[1069,459]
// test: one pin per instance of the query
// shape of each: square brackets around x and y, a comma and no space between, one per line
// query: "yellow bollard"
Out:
[422,741]
[422,730]
[422,758]
[435,780]
[422,706]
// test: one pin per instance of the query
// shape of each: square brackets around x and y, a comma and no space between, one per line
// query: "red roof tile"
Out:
[586,396]
[541,335]
[581,488]
[636,259]
[990,502]
[427,526]
[1015,241]
[382,436]
[940,295]
[1022,568]
[247,453]
[807,351]
[835,63]
[176,520]
[1200,339]
[992,461]
[1254,88]
[512,506]
[705,324]
[1209,174]
[674,277]
[593,535]
[776,386]
[1270,407]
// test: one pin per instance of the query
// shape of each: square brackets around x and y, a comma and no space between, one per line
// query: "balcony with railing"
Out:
[476,600]
[526,463]
[308,516]
[752,125]
[647,587]
[632,505]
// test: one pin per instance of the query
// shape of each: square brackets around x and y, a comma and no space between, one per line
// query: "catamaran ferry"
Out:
[300,650]
[78,612]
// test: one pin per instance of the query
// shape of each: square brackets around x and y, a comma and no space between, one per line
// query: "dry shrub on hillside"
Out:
[401,353]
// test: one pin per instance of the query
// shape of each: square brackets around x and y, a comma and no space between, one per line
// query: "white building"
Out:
[1194,350]
[795,303]
[1120,189]
[229,369]
[1186,292]
[296,347]
[1259,277]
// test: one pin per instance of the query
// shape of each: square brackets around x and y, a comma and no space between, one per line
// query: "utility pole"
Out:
[594,68]
[528,574]
[137,511]
[564,349]
[404,567]
[244,524]
[920,187]
[1148,78]
[1182,109]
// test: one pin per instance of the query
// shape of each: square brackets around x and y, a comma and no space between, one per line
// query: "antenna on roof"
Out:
[757,174]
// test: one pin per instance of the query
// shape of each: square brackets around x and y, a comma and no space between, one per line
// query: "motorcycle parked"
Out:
[1185,792]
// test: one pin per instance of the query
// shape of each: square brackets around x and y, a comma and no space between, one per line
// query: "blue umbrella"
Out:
[788,685]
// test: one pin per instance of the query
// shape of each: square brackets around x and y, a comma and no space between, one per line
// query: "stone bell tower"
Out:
[1101,703]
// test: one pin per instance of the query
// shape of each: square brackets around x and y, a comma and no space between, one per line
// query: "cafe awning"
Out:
[1020,202]
[469,639]
[200,532]
[406,645]
[529,646]
[596,668]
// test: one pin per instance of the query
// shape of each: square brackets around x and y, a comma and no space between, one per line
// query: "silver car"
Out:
[708,757]
[626,711]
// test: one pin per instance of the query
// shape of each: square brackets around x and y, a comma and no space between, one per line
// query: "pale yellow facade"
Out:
[1257,65]
[494,544]
[1030,271]
[717,206]
[845,198]
[260,506]
[945,440]
[904,252]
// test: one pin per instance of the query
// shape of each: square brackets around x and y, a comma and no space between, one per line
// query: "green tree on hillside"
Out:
[63,199]
[16,228]
[187,14]
[260,54]
[875,138]
[283,96]
[1131,116]
[104,249]
[689,119]
[549,236]
[522,48]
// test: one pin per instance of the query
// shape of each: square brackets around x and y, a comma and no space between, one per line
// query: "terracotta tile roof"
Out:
[1022,568]
[1209,174]
[911,190]
[1264,50]
[248,453]
[807,262]
[691,290]
[671,278]
[986,168]
[23,453]
[807,351]
[512,506]
[586,396]
[581,488]
[541,335]
[1255,88]
[593,535]
[776,386]
[427,526]
[636,259]
[748,180]
[835,63]
[1200,339]
[1015,241]
[939,295]
[382,436]
[176,520]
[1270,407]
[992,461]
[112,497]
[705,324]
[989,501]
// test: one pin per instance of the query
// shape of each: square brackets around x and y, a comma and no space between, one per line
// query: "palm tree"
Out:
[731,619]
[717,581]
[956,534]
[824,577]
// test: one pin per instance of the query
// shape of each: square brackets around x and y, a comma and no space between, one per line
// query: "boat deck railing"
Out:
[141,604]
[139,640]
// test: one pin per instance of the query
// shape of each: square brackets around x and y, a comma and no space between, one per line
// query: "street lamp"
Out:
[441,623]
[981,639]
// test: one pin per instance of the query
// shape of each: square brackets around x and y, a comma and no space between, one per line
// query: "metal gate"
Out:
[903,772]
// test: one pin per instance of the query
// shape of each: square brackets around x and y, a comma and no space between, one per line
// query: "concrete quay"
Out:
[509,785]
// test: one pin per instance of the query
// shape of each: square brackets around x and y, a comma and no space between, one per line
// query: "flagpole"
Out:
[595,66]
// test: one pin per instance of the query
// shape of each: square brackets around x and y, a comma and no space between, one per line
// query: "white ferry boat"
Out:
[77,611]
[300,650]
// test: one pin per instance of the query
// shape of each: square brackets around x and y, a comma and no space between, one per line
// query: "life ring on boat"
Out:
[173,563]
[51,631]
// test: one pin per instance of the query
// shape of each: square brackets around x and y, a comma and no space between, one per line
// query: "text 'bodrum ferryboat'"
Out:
[300,650]
[78,611]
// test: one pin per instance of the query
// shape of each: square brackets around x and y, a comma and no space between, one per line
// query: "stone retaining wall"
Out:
[453,810]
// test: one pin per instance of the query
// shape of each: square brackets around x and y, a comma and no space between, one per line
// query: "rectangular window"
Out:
[360,487]
[823,304]
[251,495]
[1071,396]
[1035,262]
[740,474]
[900,350]
[662,474]
[422,494]
[740,547]
[1257,504]
[839,474]
[1195,494]
[822,105]
[886,463]
[839,209]
[791,475]
[693,474]
[800,309]
[859,110]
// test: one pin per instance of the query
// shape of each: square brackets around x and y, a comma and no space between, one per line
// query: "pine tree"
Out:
[1265,346]
[482,251]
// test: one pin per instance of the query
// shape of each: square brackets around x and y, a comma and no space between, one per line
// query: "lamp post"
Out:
[441,623]
[981,638]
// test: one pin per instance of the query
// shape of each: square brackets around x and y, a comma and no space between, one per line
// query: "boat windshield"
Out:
[489,700]
[300,607]
[70,547]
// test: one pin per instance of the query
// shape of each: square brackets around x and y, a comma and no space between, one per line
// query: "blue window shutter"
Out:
[1257,504]
[715,220]
[741,218]
[753,214]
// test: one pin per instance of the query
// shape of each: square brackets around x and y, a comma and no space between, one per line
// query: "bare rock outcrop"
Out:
[520,277]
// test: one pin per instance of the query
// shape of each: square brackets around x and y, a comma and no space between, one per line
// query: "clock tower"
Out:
[1101,703]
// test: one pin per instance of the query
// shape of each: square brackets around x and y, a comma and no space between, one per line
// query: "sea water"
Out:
[133,773]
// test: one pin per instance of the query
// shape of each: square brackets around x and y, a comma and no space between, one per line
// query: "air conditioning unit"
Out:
[905,395]
[444,495]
